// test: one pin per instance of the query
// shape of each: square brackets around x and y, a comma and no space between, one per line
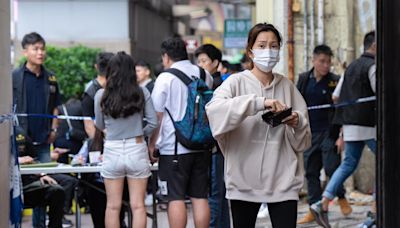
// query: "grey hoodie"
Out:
[261,162]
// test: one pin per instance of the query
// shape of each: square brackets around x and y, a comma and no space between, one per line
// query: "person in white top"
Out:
[358,121]
[190,177]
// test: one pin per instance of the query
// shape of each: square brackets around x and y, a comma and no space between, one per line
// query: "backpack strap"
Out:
[175,158]
[182,76]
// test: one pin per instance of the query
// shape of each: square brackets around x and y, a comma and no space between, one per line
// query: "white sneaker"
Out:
[148,201]
[263,212]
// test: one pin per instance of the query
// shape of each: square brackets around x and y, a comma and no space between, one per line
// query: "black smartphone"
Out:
[275,119]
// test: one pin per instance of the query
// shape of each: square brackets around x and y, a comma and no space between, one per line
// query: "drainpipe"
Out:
[290,42]
[305,37]
[312,28]
[320,27]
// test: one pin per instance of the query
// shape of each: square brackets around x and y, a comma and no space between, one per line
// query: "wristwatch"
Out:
[53,130]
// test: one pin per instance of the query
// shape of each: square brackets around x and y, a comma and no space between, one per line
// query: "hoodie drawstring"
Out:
[266,137]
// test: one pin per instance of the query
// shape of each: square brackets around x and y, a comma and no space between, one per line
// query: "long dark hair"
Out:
[122,95]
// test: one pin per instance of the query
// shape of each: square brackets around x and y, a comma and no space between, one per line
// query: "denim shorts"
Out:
[125,158]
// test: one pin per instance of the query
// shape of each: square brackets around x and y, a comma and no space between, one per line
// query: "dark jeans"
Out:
[282,214]
[40,196]
[217,201]
[322,154]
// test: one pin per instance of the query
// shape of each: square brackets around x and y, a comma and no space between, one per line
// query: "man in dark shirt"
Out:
[317,86]
[102,60]
[209,57]
[35,91]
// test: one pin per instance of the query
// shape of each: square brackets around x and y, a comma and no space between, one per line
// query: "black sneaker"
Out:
[320,215]
[66,223]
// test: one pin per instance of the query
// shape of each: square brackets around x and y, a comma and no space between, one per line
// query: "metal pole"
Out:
[290,42]
[320,28]
[388,99]
[305,36]
[312,27]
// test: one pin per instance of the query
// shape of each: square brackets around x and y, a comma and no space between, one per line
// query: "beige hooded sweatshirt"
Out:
[261,162]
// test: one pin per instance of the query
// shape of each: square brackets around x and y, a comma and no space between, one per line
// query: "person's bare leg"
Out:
[201,213]
[177,215]
[137,191]
[114,189]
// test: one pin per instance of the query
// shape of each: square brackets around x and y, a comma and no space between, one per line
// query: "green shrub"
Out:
[73,68]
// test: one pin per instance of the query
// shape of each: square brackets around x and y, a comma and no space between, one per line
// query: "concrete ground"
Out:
[336,218]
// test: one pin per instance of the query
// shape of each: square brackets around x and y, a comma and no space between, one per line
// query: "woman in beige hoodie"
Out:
[261,162]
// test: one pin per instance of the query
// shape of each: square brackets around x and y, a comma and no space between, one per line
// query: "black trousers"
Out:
[322,154]
[282,214]
[39,195]
[68,183]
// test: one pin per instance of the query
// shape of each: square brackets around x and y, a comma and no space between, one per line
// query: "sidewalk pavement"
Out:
[337,220]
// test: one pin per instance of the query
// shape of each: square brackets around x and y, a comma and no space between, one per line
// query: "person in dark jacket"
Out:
[317,86]
[70,133]
[209,57]
[40,190]
[358,122]
[94,85]
[35,91]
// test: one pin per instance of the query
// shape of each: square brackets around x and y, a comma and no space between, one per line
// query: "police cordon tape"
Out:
[5,117]
[345,103]
[62,117]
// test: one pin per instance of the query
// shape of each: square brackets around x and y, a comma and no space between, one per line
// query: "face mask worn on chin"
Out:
[265,59]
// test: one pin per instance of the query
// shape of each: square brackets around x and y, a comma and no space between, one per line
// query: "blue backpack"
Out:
[193,131]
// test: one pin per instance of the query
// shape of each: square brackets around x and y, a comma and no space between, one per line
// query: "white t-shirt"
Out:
[171,93]
[356,132]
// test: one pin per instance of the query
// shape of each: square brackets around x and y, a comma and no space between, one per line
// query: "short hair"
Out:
[143,63]
[175,48]
[32,38]
[369,39]
[210,50]
[102,60]
[226,64]
[323,49]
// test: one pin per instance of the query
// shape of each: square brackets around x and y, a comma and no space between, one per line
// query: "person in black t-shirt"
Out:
[102,60]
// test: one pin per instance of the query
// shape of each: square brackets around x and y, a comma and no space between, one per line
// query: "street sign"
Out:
[235,33]
[192,43]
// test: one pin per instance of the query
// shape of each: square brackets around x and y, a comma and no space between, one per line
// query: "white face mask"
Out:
[265,59]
